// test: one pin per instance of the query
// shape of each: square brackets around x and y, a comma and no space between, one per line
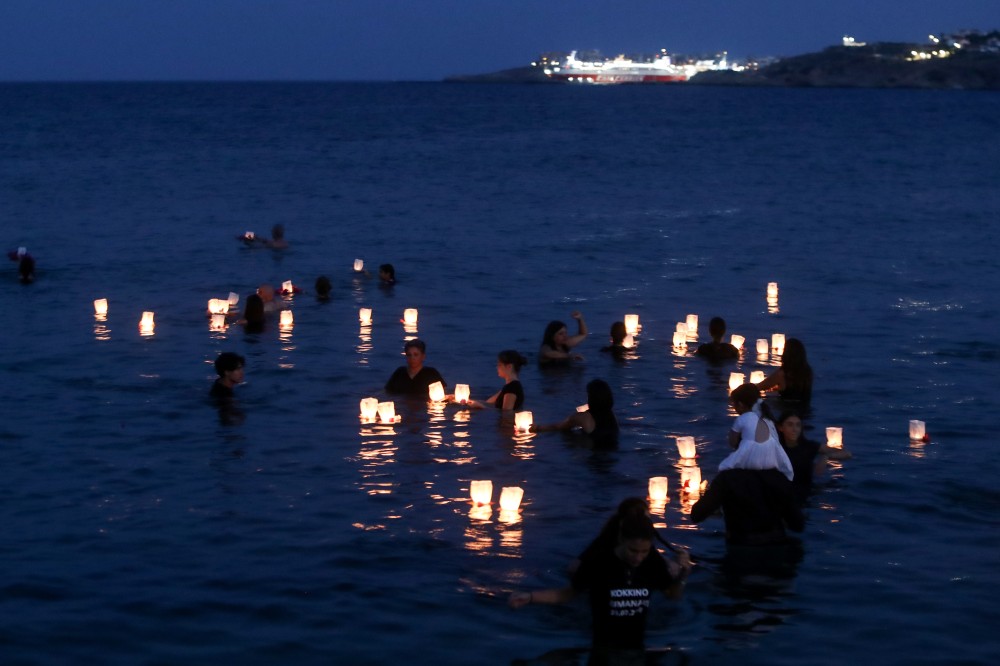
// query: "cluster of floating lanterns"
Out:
[481,492]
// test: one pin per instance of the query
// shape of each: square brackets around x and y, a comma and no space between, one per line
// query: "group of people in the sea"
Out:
[760,487]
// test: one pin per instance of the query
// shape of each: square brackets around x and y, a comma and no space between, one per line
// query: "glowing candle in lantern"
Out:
[218,322]
[410,316]
[287,319]
[682,327]
[918,430]
[628,342]
[101,306]
[218,306]
[772,290]
[680,339]
[359,265]
[692,325]
[735,380]
[658,489]
[287,287]
[481,491]
[691,480]
[756,377]
[436,392]
[365,315]
[631,324]
[146,324]
[737,341]
[685,446]
[234,299]
[387,412]
[583,408]
[762,346]
[778,343]
[522,421]
[369,408]
[510,498]
[835,437]
[462,393]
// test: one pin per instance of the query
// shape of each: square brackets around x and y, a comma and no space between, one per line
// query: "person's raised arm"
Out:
[581,330]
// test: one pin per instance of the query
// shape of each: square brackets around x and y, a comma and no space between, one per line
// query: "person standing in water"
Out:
[557,343]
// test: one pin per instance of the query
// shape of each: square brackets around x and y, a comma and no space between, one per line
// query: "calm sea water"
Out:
[138,528]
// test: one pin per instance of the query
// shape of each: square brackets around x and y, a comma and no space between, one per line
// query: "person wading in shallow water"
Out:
[413,378]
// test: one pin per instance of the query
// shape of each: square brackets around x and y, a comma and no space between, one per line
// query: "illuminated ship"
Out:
[660,69]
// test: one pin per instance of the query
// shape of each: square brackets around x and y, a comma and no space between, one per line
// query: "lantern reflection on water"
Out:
[737,341]
[918,430]
[522,421]
[631,324]
[436,392]
[835,437]
[101,307]
[462,393]
[481,491]
[369,408]
[628,342]
[685,447]
[510,498]
[658,489]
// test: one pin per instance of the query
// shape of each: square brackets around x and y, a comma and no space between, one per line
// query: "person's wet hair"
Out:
[550,333]
[749,395]
[323,286]
[227,362]
[599,396]
[636,526]
[618,332]
[717,327]
[415,344]
[513,358]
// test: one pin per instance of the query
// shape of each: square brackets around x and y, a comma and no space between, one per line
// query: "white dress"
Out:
[752,454]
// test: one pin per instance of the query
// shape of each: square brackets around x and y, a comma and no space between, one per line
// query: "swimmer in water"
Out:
[808,458]
[557,343]
[511,396]
[598,421]
[717,351]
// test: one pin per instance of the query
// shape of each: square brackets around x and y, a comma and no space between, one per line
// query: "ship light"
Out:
[658,489]
[835,437]
[481,492]
[685,446]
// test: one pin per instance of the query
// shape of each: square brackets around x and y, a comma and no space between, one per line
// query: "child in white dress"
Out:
[754,436]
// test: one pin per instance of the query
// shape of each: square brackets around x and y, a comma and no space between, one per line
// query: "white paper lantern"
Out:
[146,324]
[756,377]
[369,408]
[918,430]
[510,498]
[762,346]
[737,341]
[778,343]
[234,299]
[522,421]
[387,412]
[218,306]
[685,447]
[631,324]
[583,408]
[481,492]
[835,437]
[359,265]
[287,287]
[436,392]
[680,339]
[692,325]
[681,327]
[462,393]
[735,380]
[691,480]
[772,290]
[628,342]
[658,489]
[410,316]
[101,306]
[218,322]
[287,319]
[365,316]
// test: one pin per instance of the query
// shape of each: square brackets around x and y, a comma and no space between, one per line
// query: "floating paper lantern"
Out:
[735,380]
[365,316]
[680,339]
[631,324]
[101,306]
[218,322]
[737,341]
[287,287]
[436,392]
[481,491]
[762,346]
[287,319]
[249,235]
[462,393]
[756,377]
[628,342]
[772,290]
[692,325]
[658,489]
[522,421]
[778,343]
[918,430]
[218,306]
[510,498]
[410,316]
[691,480]
[146,324]
[835,437]
[685,446]
[234,299]
[681,327]
[369,408]
[359,265]
[387,412]
[583,408]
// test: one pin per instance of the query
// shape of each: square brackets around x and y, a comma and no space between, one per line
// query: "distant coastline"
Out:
[966,61]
